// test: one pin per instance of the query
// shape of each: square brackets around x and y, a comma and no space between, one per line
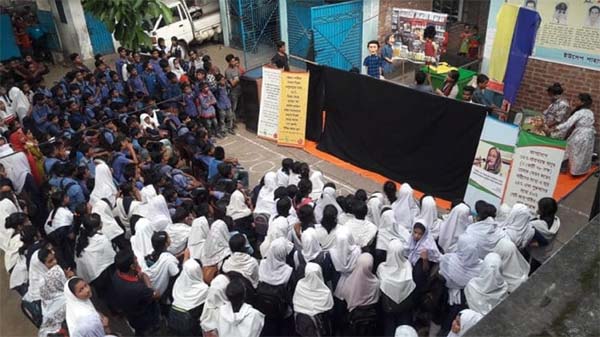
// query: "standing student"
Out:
[232,75]
[236,317]
[189,295]
[387,52]
[474,43]
[312,304]
[132,294]
[373,62]
[280,59]
[465,35]
[397,286]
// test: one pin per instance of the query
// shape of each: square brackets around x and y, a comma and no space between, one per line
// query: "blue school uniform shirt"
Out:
[104,91]
[75,193]
[482,97]
[39,113]
[89,88]
[373,64]
[119,87]
[151,81]
[207,109]
[172,90]
[213,168]
[190,105]
[119,67]
[156,65]
[118,165]
[137,85]
[223,101]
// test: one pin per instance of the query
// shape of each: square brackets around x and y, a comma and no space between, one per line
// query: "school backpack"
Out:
[271,300]
[61,187]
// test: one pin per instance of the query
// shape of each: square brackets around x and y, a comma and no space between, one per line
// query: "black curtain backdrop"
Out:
[409,136]
[314,110]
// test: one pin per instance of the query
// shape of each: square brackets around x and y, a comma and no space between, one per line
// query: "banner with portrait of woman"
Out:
[492,162]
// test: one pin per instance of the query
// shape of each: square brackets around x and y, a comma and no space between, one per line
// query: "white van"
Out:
[194,21]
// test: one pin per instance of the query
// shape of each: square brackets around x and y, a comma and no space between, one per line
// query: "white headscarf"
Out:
[429,216]
[159,216]
[327,198]
[396,273]
[215,297]
[246,322]
[61,218]
[312,296]
[484,292]
[405,331]
[316,178]
[147,193]
[37,274]
[542,227]
[405,207]
[375,205]
[265,203]
[95,258]
[53,301]
[198,236]
[345,253]
[273,269]
[82,318]
[453,227]
[237,207]
[468,319]
[152,124]
[141,242]
[390,230]
[189,290]
[16,166]
[460,267]
[104,185]
[326,239]
[515,268]
[110,227]
[176,70]
[279,227]
[360,287]
[426,243]
[311,248]
[216,247]
[503,213]
[7,207]
[517,225]
[124,214]
[244,264]
[486,233]
[283,178]
[161,271]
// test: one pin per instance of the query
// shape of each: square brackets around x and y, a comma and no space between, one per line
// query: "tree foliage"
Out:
[124,18]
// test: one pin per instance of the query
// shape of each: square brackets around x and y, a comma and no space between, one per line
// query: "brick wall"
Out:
[539,75]
[385,12]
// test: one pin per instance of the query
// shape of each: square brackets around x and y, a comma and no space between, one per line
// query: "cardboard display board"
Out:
[268,118]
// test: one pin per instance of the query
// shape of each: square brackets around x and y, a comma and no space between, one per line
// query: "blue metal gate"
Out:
[254,29]
[337,31]
[101,38]
[47,23]
[300,36]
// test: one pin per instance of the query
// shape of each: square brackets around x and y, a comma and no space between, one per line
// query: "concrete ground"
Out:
[259,156]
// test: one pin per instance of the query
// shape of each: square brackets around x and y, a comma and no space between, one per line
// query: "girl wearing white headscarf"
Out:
[464,321]
[110,226]
[484,292]
[515,268]
[125,208]
[147,122]
[397,284]
[283,174]
[327,198]
[405,331]
[360,290]
[240,261]
[158,213]
[7,207]
[460,267]
[237,208]
[405,207]
[37,272]
[94,254]
[517,226]
[390,230]
[53,301]
[486,231]
[316,178]
[312,298]
[141,242]
[176,67]
[266,196]
[215,298]
[216,247]
[455,224]
[104,185]
[429,216]
[421,243]
[345,253]
[189,295]
[82,318]
[375,205]
[161,265]
[326,230]
[275,276]
[198,236]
